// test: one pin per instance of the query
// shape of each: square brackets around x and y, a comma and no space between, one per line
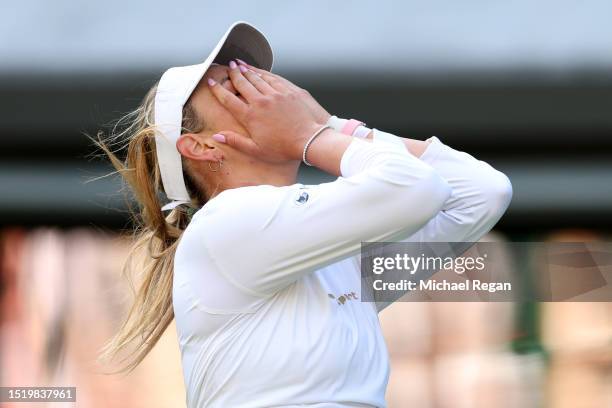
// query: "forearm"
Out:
[480,194]
[326,151]
[414,146]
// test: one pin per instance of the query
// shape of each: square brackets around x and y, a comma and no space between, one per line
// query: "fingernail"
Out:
[241,61]
[219,137]
[211,81]
[242,68]
[232,65]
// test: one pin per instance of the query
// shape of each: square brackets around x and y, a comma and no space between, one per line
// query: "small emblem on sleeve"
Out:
[302,197]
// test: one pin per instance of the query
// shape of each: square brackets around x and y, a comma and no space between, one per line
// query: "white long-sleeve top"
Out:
[259,271]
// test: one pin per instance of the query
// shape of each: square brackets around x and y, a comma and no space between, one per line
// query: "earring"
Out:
[218,167]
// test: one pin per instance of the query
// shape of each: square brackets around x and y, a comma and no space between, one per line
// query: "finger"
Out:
[230,101]
[272,80]
[257,81]
[237,141]
[242,85]
[254,68]
[270,77]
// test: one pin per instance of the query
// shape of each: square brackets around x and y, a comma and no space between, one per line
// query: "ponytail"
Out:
[156,236]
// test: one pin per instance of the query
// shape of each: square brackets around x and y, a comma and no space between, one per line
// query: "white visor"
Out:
[242,41]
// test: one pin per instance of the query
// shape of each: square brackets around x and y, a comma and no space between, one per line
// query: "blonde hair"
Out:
[156,235]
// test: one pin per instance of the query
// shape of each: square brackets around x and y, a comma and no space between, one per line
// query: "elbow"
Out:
[439,190]
[416,185]
[432,195]
[497,194]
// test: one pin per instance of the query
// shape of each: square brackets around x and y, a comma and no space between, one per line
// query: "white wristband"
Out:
[338,124]
[362,131]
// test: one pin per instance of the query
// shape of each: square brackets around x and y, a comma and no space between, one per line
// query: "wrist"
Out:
[327,149]
[321,130]
[351,127]
[297,150]
[336,123]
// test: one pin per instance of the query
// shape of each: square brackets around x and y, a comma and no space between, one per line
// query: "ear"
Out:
[194,147]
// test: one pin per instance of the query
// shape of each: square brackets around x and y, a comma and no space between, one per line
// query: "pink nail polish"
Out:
[219,137]
[241,62]
[242,68]
[232,65]
[211,81]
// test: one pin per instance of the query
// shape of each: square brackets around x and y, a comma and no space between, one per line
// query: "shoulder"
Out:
[229,217]
[245,206]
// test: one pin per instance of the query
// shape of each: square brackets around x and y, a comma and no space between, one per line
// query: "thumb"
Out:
[237,141]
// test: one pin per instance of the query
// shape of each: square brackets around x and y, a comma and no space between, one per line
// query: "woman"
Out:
[253,278]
